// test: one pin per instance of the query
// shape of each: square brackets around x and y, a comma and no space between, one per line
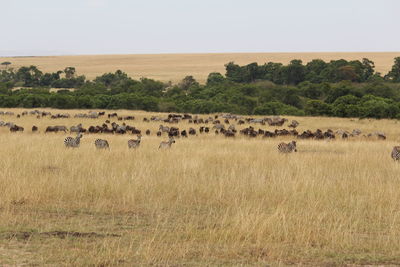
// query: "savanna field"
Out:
[208,200]
[174,67]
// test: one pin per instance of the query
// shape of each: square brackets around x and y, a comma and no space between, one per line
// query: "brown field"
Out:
[209,200]
[174,67]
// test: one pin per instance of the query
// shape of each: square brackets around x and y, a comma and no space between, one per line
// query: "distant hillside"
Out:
[173,67]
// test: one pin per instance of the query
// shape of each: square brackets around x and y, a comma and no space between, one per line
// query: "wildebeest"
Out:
[184,133]
[16,128]
[192,131]
[173,131]
[56,129]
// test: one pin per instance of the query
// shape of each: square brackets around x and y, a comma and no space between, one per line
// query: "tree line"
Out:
[337,88]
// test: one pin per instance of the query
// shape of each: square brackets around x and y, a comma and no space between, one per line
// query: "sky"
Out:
[74,27]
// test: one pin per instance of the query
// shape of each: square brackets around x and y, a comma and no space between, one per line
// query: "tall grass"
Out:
[208,200]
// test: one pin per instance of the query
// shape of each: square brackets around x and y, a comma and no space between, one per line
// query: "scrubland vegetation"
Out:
[337,88]
[209,200]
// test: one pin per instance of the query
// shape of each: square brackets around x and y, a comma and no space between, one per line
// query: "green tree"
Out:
[348,73]
[273,72]
[277,108]
[295,72]
[69,72]
[394,73]
[215,78]
[310,90]
[188,82]
[6,64]
[236,73]
[30,76]
[378,107]
[316,66]
[318,108]
[368,67]
[346,106]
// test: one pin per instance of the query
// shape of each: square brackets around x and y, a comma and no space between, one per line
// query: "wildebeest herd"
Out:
[224,125]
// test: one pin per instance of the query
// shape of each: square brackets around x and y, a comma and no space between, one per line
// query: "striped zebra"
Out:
[396,153]
[73,142]
[287,148]
[167,144]
[163,129]
[101,144]
[132,143]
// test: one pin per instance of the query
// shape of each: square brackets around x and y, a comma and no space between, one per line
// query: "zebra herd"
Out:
[291,147]
[284,148]
[71,142]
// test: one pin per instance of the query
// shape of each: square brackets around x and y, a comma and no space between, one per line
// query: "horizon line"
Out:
[196,53]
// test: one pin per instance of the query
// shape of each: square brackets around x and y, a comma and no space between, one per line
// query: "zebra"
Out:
[73,142]
[293,124]
[287,148]
[132,143]
[76,129]
[167,144]
[101,144]
[396,153]
[164,129]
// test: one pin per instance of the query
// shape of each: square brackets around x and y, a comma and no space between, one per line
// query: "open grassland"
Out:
[174,67]
[209,200]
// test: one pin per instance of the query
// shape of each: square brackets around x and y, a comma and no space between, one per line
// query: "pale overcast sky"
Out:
[48,27]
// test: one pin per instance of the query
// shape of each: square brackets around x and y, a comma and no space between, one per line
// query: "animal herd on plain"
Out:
[71,142]
[220,124]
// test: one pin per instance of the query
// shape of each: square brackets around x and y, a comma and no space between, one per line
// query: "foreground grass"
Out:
[207,201]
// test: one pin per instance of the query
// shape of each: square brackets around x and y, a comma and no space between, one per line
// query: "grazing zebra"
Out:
[76,129]
[101,144]
[294,124]
[132,143]
[164,129]
[396,153]
[287,148]
[167,144]
[73,142]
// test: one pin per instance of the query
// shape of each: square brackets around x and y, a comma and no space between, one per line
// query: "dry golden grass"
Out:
[173,67]
[207,201]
